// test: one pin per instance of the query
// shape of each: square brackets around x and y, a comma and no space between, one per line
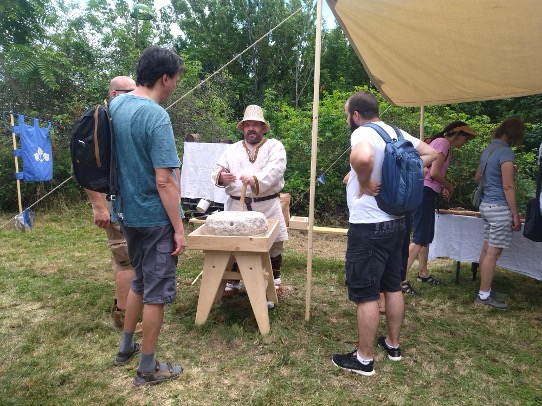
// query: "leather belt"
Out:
[250,200]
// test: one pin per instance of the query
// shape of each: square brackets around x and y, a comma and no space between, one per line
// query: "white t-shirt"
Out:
[365,210]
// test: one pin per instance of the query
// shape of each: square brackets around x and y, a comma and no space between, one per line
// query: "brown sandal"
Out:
[158,375]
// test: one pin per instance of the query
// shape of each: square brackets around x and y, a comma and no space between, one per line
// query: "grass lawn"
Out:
[57,345]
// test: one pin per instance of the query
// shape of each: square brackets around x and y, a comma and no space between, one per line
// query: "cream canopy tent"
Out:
[421,52]
[425,52]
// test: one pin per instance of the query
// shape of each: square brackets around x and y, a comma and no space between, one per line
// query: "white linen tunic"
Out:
[267,167]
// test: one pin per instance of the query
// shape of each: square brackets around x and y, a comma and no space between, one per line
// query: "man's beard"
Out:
[256,140]
[354,127]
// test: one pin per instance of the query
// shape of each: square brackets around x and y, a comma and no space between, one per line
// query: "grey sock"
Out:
[146,362]
[127,343]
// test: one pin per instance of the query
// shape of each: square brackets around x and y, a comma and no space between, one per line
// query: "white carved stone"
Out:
[233,223]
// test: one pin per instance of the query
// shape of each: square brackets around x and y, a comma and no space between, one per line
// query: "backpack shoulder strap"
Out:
[383,134]
[398,132]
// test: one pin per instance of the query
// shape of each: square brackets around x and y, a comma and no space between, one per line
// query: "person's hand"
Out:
[372,189]
[516,223]
[248,180]
[446,194]
[450,189]
[225,178]
[180,244]
[102,218]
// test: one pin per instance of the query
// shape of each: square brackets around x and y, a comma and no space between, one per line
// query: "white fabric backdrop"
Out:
[461,238]
[199,158]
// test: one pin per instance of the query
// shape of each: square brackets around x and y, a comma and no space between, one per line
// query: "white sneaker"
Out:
[231,289]
[278,286]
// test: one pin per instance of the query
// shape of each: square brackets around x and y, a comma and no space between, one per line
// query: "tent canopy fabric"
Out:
[421,52]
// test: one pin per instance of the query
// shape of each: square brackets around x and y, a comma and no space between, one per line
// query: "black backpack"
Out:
[93,152]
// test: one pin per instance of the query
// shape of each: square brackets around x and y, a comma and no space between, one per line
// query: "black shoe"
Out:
[350,363]
[409,290]
[430,280]
[393,353]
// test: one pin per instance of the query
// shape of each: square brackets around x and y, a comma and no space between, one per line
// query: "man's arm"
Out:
[427,153]
[362,162]
[168,190]
[102,217]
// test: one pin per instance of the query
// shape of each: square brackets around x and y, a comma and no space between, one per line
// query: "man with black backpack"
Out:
[123,272]
[148,206]
[375,237]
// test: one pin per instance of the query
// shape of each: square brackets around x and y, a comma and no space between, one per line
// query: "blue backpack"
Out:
[401,191]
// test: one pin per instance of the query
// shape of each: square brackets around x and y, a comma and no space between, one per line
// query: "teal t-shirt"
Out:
[144,141]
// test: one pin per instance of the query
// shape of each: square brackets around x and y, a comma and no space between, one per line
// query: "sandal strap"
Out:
[430,280]
[129,353]
[149,376]
[153,376]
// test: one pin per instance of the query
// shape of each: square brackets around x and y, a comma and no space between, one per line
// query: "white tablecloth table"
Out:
[461,238]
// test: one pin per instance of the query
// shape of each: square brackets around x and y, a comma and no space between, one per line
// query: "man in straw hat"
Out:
[259,163]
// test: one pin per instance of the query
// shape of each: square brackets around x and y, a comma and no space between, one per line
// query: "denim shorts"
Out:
[424,218]
[155,268]
[497,225]
[373,259]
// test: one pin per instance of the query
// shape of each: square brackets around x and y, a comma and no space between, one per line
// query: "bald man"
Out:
[123,272]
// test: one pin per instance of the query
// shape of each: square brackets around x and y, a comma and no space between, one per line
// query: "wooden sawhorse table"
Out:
[252,256]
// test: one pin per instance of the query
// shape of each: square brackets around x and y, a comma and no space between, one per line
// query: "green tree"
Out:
[340,67]
[216,31]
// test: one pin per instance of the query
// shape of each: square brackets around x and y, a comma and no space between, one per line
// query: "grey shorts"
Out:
[497,225]
[155,268]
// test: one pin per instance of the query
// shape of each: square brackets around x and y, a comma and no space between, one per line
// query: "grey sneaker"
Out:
[498,295]
[491,302]
[350,362]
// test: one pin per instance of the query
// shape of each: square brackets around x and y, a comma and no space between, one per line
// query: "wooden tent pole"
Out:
[422,120]
[16,165]
[314,148]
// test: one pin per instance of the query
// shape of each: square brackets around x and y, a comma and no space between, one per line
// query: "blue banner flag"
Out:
[35,150]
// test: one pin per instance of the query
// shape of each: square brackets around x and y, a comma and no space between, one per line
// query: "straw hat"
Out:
[254,113]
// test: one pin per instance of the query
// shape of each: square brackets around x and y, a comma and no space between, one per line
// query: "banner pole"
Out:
[16,164]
